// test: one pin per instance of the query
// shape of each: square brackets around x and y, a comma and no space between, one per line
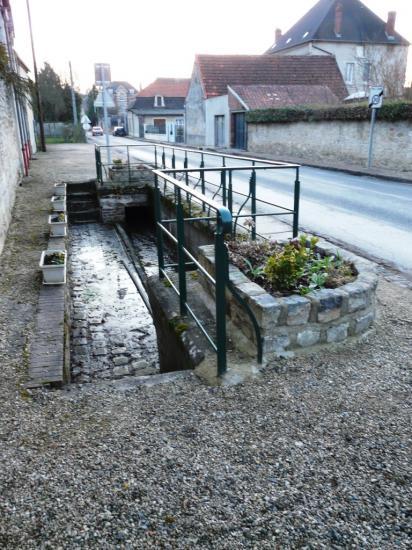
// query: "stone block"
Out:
[308,337]
[337,333]
[120,371]
[327,304]
[266,310]
[120,360]
[276,344]
[363,322]
[358,296]
[297,310]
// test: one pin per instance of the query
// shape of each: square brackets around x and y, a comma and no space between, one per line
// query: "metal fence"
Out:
[197,198]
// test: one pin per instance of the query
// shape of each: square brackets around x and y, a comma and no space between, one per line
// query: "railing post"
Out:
[173,159]
[128,161]
[230,193]
[202,177]
[296,205]
[181,259]
[253,203]
[221,270]
[159,232]
[155,156]
[163,158]
[223,185]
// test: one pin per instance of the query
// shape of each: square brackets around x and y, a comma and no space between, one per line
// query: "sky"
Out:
[144,40]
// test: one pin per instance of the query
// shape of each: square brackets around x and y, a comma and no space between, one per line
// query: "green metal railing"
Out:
[164,157]
[199,199]
[223,220]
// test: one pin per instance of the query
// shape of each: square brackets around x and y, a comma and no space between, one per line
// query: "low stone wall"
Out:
[295,322]
[344,141]
[118,194]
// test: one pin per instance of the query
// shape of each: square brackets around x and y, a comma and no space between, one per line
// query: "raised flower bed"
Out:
[58,224]
[303,316]
[53,266]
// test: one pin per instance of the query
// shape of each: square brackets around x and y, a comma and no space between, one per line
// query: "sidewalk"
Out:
[313,453]
[357,170]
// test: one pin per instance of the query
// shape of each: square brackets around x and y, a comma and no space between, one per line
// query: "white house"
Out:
[368,50]
[158,111]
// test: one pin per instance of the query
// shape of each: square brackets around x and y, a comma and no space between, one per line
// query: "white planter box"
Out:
[58,204]
[57,228]
[53,274]
[60,189]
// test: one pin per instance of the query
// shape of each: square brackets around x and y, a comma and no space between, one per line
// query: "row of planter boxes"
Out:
[53,260]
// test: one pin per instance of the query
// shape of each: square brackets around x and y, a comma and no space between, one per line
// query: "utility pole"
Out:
[106,123]
[74,106]
[36,85]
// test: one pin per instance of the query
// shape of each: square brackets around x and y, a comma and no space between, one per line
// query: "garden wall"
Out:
[10,163]
[335,140]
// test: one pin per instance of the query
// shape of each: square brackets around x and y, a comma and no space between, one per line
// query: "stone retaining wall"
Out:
[118,194]
[296,322]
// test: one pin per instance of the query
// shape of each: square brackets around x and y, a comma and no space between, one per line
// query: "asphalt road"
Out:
[369,215]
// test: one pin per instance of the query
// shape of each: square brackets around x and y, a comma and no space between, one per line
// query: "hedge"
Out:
[390,111]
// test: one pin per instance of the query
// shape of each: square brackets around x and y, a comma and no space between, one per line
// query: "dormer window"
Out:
[159,101]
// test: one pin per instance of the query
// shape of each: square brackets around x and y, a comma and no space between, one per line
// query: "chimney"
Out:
[278,36]
[390,24]
[338,19]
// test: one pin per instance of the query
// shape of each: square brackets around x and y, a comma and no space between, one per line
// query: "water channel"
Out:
[112,331]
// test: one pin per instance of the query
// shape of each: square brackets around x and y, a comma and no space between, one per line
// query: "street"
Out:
[368,215]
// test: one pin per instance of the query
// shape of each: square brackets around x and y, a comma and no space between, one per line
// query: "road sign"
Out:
[102,73]
[103,98]
[375,97]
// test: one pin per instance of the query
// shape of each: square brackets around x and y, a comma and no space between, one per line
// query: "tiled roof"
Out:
[264,97]
[143,104]
[217,71]
[359,24]
[166,87]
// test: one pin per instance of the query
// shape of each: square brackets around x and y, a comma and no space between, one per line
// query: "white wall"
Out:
[195,111]
[215,106]
[10,160]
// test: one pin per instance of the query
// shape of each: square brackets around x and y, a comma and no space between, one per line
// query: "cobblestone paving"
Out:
[112,331]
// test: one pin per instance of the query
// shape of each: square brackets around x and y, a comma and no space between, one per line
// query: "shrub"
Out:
[391,111]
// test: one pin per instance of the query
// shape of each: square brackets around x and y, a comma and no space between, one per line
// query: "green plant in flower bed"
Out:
[54,258]
[294,267]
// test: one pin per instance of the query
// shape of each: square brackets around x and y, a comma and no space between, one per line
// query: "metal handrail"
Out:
[223,226]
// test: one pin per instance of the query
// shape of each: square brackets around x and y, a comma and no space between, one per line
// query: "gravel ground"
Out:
[315,453]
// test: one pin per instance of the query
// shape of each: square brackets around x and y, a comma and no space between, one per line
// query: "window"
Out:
[160,125]
[350,69]
[159,101]
[366,72]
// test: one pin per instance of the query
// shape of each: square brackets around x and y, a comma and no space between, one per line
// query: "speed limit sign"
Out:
[375,97]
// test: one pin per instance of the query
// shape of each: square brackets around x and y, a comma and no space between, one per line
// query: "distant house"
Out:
[158,111]
[123,95]
[212,118]
[368,50]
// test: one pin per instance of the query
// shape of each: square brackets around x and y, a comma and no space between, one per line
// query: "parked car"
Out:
[119,131]
[97,131]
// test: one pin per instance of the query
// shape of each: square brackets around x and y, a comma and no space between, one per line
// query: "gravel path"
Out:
[313,454]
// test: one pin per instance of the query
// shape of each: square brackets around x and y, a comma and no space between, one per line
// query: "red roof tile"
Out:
[166,87]
[270,96]
[217,71]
